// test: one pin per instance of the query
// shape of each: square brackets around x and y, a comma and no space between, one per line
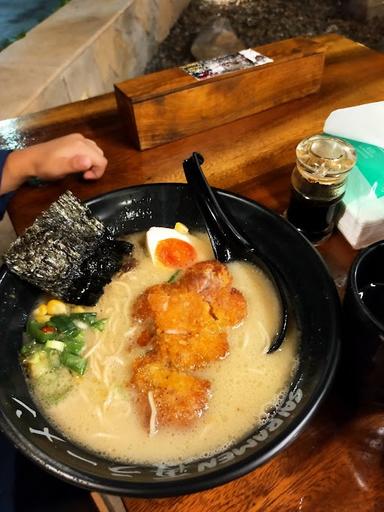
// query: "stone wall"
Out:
[364,9]
[81,51]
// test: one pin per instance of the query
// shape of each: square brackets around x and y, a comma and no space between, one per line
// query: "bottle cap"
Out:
[324,156]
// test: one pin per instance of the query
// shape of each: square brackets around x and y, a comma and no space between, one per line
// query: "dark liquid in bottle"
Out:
[314,218]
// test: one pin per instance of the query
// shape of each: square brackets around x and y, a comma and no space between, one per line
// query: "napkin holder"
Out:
[160,107]
[362,216]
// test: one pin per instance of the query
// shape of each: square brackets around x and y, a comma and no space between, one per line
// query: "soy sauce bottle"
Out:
[318,183]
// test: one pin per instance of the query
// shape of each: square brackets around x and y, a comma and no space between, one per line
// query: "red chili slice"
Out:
[176,253]
[48,329]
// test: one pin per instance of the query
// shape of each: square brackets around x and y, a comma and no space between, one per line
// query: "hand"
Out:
[53,160]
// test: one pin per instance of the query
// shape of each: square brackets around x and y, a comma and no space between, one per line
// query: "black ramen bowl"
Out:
[315,306]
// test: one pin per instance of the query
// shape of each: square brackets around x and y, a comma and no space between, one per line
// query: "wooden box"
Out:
[167,105]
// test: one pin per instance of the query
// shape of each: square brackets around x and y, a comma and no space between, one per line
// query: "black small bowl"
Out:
[363,324]
[315,306]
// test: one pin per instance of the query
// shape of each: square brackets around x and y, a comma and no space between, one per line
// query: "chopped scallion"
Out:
[56,345]
[74,362]
[174,277]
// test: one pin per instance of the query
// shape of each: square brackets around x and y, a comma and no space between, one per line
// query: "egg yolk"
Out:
[173,252]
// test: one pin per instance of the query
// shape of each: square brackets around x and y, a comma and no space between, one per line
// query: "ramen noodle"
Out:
[100,411]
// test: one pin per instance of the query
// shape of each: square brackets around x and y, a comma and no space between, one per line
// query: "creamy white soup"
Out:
[100,412]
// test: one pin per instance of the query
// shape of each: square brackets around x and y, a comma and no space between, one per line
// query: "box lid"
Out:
[168,81]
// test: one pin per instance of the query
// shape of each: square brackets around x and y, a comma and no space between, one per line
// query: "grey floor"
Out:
[19,16]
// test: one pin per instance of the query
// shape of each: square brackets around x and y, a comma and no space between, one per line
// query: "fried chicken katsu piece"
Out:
[192,351]
[141,309]
[146,336]
[179,398]
[212,280]
[185,326]
[177,311]
[206,278]
[228,307]
[173,310]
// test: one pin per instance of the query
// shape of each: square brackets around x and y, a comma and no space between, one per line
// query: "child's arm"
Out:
[53,160]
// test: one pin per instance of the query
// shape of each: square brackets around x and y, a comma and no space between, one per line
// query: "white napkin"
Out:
[363,122]
[362,222]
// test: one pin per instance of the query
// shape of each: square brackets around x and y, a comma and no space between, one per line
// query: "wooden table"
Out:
[337,463]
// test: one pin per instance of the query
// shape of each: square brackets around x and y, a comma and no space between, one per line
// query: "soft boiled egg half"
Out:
[176,248]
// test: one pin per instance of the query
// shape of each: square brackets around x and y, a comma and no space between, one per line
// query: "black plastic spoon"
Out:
[228,243]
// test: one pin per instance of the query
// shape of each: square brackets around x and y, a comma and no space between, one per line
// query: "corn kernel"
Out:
[41,319]
[181,228]
[56,307]
[40,310]
[77,309]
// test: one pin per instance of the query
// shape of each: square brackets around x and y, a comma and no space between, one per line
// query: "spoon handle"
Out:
[228,243]
[224,237]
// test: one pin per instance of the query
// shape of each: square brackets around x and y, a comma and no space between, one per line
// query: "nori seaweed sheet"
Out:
[67,252]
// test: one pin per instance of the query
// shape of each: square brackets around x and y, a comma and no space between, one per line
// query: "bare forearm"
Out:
[53,160]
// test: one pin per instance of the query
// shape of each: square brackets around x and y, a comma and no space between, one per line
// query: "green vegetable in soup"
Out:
[38,364]
[54,385]
[58,343]
[35,331]
[76,363]
[74,345]
[174,277]
[64,324]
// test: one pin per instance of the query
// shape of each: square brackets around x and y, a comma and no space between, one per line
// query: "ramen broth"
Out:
[100,413]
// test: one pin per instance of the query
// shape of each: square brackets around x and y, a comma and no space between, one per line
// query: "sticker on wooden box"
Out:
[204,69]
